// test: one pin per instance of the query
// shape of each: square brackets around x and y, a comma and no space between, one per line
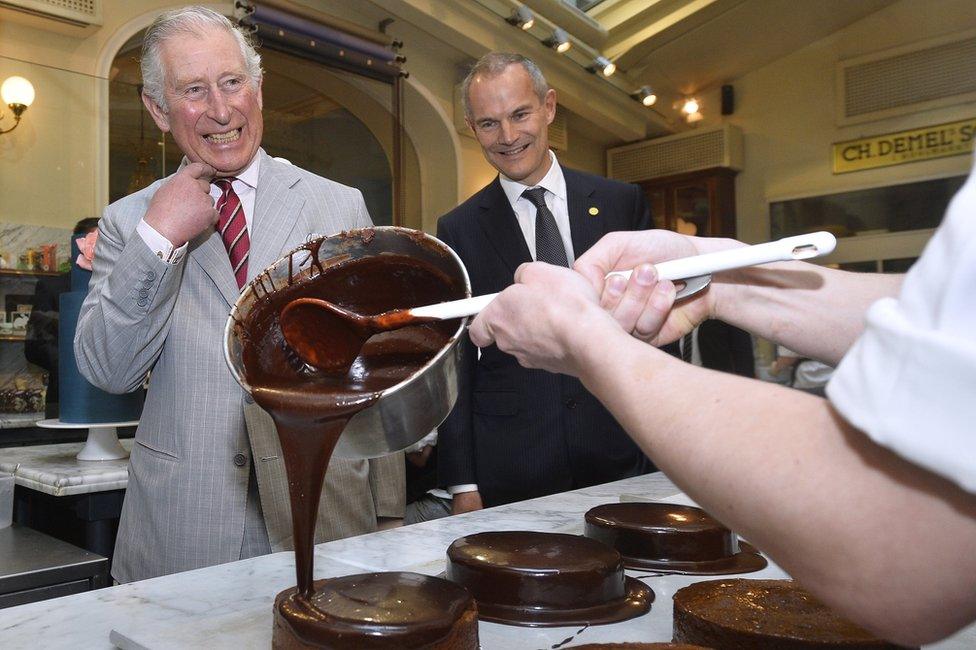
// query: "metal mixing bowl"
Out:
[407,411]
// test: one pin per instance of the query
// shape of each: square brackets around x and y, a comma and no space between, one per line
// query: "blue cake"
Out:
[80,402]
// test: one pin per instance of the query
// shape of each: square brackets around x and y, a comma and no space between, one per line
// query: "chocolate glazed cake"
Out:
[545,579]
[372,611]
[671,538]
[762,614]
[637,646]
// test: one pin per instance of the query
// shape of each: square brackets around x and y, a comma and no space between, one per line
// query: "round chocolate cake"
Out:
[545,579]
[637,646]
[374,611]
[762,614]
[672,538]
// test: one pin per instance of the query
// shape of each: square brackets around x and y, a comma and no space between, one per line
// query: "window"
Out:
[879,210]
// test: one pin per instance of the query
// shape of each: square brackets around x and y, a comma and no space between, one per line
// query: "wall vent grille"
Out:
[74,12]
[900,82]
[676,154]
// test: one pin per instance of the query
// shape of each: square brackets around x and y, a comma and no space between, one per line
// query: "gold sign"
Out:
[939,141]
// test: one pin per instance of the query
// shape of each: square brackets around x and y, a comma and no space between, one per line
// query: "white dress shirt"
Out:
[555,186]
[244,185]
[908,381]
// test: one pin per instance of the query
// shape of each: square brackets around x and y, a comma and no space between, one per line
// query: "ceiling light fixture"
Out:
[645,96]
[603,65]
[522,18]
[559,41]
[690,106]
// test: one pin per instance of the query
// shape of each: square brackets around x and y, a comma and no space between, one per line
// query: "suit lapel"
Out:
[500,226]
[277,213]
[581,198]
[207,250]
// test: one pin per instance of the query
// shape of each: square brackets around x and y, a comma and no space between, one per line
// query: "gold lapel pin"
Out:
[594,211]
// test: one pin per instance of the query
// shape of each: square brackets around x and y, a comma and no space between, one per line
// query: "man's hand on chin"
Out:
[182,208]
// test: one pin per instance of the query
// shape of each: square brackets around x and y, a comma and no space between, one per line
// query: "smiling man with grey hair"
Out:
[170,262]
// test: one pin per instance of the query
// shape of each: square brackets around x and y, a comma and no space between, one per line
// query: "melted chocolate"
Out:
[311,408]
[762,614]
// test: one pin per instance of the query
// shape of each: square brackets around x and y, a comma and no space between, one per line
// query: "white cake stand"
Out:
[103,438]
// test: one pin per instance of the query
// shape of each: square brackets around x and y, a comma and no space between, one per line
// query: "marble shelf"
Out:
[55,470]
[230,606]
[18,420]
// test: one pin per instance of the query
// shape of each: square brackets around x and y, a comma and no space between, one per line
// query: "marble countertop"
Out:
[54,470]
[230,606]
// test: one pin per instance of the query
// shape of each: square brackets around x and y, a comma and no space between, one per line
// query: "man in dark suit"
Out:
[717,345]
[515,433]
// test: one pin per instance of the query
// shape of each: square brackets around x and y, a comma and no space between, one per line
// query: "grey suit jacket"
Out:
[185,503]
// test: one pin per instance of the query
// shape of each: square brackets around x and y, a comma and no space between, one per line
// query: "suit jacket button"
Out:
[571,403]
[240,460]
[248,399]
[151,275]
[143,293]
[142,302]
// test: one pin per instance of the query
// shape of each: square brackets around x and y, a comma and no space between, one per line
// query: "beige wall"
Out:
[786,111]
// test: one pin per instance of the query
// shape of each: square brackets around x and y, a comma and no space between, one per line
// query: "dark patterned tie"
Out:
[686,346]
[232,227]
[548,244]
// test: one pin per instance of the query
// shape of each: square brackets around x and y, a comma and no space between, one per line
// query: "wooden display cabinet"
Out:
[704,198]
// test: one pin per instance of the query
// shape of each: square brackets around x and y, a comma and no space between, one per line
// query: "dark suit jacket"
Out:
[522,433]
[726,348]
[41,345]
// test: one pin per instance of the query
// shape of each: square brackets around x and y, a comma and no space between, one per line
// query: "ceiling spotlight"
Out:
[604,65]
[690,106]
[521,18]
[645,96]
[559,41]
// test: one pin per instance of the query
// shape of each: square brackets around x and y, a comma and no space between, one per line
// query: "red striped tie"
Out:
[232,227]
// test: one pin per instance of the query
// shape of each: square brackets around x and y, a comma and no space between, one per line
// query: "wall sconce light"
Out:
[17,94]
[521,18]
[645,96]
[559,41]
[603,65]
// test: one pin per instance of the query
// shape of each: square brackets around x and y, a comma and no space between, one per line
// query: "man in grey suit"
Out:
[206,481]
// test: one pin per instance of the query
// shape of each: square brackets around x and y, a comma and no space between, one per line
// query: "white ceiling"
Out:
[685,46]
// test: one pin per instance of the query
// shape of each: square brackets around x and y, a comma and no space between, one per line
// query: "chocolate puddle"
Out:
[311,408]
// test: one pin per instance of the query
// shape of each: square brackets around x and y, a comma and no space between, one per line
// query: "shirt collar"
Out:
[553,181]
[249,176]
